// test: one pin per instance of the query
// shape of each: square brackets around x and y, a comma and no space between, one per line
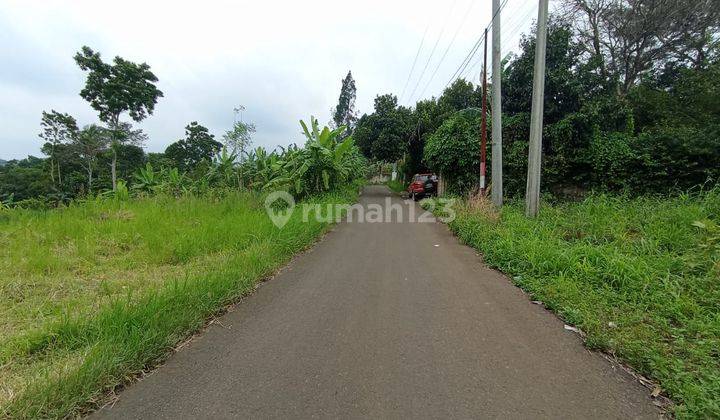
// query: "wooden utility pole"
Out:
[532,194]
[497,160]
[483,121]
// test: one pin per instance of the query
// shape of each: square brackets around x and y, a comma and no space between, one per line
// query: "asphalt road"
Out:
[386,320]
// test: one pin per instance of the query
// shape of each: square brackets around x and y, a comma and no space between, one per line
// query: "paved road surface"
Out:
[376,321]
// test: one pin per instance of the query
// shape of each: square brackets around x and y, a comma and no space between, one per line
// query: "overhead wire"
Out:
[412,68]
[468,65]
[452,41]
[463,66]
[432,52]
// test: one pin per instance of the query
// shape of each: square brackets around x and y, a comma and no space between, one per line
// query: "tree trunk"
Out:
[114,126]
[52,170]
[89,170]
[113,168]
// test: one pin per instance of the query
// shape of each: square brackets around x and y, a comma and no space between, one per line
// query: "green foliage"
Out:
[460,95]
[147,179]
[24,179]
[323,164]
[57,129]
[454,150]
[240,137]
[344,112]
[121,192]
[611,156]
[123,86]
[113,89]
[397,186]
[197,146]
[382,135]
[638,276]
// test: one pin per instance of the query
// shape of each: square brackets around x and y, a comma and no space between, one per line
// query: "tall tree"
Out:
[113,89]
[57,129]
[344,113]
[627,39]
[197,146]
[90,142]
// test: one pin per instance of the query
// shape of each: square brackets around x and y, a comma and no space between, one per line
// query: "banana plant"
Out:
[146,179]
[223,168]
[173,182]
[7,202]
[324,163]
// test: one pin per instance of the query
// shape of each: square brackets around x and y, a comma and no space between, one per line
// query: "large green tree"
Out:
[115,89]
[197,146]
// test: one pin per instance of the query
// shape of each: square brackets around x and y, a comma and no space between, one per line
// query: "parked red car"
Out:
[422,185]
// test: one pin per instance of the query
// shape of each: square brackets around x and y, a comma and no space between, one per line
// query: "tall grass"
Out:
[640,276]
[397,185]
[97,292]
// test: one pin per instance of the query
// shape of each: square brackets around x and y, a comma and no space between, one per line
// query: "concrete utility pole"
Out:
[483,122]
[532,194]
[497,181]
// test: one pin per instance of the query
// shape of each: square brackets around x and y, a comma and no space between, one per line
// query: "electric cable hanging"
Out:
[412,68]
[442,31]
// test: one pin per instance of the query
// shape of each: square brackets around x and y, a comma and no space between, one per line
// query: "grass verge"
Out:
[96,293]
[641,277]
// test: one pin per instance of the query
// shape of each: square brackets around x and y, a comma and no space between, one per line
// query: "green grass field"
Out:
[641,277]
[95,293]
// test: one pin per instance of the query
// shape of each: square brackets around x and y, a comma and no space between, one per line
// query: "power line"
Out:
[472,3]
[466,61]
[422,41]
[463,66]
[518,25]
[442,31]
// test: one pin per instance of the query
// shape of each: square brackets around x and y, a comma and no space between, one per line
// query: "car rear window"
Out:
[421,178]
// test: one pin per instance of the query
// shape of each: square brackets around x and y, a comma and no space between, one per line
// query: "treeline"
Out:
[193,165]
[107,158]
[631,104]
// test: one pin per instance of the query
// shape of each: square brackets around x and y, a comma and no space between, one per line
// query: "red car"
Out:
[422,185]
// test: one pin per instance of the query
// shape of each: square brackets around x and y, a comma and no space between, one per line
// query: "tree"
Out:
[197,146]
[460,95]
[57,129]
[454,150]
[90,142]
[384,134]
[113,89]
[24,179]
[344,113]
[240,137]
[627,39]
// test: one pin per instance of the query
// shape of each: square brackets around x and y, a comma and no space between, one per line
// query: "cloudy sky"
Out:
[282,60]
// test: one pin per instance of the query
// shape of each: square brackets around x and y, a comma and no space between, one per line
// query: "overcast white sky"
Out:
[282,60]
